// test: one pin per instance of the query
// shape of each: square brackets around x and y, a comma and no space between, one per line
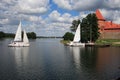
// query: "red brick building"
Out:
[108,29]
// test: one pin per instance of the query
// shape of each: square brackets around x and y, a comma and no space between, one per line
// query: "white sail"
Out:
[18,41]
[25,38]
[77,34]
[18,36]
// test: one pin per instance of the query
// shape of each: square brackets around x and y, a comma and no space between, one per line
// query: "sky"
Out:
[52,17]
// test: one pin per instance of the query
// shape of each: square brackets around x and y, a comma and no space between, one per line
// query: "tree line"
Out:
[31,35]
[89,29]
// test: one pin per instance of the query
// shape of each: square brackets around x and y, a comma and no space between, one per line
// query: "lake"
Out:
[48,59]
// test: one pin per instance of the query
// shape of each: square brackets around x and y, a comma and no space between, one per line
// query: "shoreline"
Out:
[99,43]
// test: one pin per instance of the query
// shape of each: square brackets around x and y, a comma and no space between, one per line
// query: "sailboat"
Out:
[77,38]
[18,41]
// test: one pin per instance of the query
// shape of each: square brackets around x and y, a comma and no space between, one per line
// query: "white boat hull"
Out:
[76,44]
[18,44]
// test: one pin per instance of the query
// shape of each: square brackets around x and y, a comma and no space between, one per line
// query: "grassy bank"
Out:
[112,42]
[64,41]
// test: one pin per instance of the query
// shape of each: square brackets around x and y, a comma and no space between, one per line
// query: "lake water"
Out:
[48,59]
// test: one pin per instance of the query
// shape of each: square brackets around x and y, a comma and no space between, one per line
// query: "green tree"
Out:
[9,35]
[68,36]
[90,30]
[75,24]
[31,35]
[2,34]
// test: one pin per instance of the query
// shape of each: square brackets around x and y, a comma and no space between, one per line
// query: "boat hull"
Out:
[18,44]
[76,44]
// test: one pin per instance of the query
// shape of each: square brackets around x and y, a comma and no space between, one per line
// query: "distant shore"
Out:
[48,37]
[31,35]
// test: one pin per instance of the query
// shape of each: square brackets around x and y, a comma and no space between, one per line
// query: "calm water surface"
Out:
[48,59]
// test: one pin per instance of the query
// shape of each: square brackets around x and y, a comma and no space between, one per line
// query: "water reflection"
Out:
[21,55]
[47,59]
[76,55]
[88,57]
[108,60]
[88,60]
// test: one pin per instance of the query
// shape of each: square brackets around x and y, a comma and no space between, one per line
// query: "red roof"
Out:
[109,25]
[99,15]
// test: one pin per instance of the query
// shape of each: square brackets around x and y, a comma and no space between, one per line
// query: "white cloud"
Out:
[25,6]
[83,5]
[54,22]
[112,4]
[112,15]
[15,10]
[56,29]
[78,4]
[4,21]
[65,4]
[33,6]
[55,16]
[83,14]
[110,8]
[59,23]
[35,18]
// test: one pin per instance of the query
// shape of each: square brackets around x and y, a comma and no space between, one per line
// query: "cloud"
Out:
[65,4]
[56,24]
[109,8]
[59,23]
[33,6]
[12,11]
[55,16]
[25,6]
[56,29]
[5,21]
[78,4]
[112,15]
[37,16]
[111,4]
[83,5]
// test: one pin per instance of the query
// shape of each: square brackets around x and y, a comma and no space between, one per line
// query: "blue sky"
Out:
[52,17]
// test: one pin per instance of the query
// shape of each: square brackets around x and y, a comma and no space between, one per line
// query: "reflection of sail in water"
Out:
[76,56]
[21,54]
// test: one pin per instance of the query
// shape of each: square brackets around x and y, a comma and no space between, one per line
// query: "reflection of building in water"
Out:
[102,58]
[108,59]
[21,54]
[88,58]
